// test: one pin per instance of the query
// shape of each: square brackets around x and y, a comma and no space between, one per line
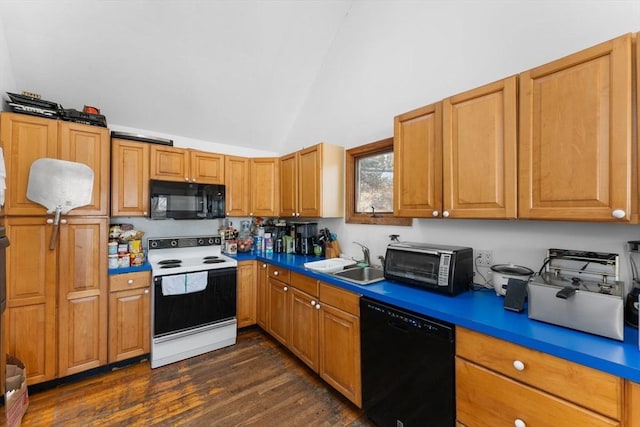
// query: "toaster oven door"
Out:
[417,268]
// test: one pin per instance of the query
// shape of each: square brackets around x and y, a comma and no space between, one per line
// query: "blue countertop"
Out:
[483,311]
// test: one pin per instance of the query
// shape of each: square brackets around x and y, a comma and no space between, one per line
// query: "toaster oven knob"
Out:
[518,365]
[445,214]
[435,213]
[618,213]
[519,423]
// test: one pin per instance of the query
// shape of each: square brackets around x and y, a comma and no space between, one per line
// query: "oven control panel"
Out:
[184,242]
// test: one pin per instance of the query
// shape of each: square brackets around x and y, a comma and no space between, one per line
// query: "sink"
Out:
[361,275]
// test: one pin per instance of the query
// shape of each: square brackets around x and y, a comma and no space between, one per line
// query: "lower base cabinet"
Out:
[246,294]
[318,322]
[500,383]
[129,315]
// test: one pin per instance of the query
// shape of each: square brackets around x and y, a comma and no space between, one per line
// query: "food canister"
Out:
[113,261]
[135,245]
[123,260]
[113,248]
[137,258]
[123,248]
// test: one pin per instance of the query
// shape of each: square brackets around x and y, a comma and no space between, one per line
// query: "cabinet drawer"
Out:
[305,283]
[278,273]
[585,386]
[484,398]
[119,282]
[339,298]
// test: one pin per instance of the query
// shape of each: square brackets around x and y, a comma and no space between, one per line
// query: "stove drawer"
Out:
[121,282]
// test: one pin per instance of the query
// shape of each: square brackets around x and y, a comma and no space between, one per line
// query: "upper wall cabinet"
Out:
[129,178]
[27,138]
[480,152]
[178,164]
[237,185]
[575,160]
[417,162]
[312,182]
[265,186]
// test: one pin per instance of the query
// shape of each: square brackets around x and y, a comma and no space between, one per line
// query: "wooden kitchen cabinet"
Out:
[129,178]
[632,403]
[262,300]
[575,158]
[498,382]
[265,187]
[57,299]
[417,162]
[303,338]
[178,164]
[278,323]
[312,182]
[246,293]
[27,138]
[237,185]
[129,315]
[339,341]
[480,152]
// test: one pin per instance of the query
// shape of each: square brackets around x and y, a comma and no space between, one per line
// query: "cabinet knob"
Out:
[250,213]
[285,289]
[318,306]
[445,214]
[434,213]
[146,291]
[193,180]
[63,221]
[518,365]
[264,265]
[145,213]
[519,423]
[49,221]
[313,303]
[186,178]
[275,273]
[618,213]
[130,281]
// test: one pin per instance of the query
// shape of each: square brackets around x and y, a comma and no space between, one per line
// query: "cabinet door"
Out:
[289,186]
[207,168]
[303,340]
[246,300]
[279,310]
[25,139]
[339,351]
[237,185]
[262,295]
[30,318]
[82,294]
[168,163]
[480,152]
[265,186]
[129,318]
[89,145]
[309,183]
[417,163]
[129,178]
[575,136]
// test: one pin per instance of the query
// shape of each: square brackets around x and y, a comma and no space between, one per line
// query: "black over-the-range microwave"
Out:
[186,200]
[438,268]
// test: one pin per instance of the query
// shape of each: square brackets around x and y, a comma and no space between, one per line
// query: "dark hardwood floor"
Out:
[254,383]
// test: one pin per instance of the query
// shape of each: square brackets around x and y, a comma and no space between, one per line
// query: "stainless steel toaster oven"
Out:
[439,268]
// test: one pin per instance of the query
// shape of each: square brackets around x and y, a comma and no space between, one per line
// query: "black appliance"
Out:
[439,268]
[305,237]
[185,200]
[408,367]
[631,307]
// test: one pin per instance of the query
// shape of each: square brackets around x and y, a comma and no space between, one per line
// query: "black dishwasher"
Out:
[408,367]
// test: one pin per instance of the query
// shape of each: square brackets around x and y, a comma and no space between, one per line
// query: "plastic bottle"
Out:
[268,243]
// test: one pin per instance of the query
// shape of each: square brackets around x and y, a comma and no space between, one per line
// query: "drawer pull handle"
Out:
[130,281]
[275,273]
[146,291]
[519,366]
[519,423]
[285,289]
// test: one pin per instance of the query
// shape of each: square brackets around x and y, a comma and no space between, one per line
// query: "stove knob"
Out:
[200,242]
[211,240]
[154,244]
[174,243]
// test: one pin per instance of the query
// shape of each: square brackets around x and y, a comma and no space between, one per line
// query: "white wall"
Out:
[394,56]
[7,80]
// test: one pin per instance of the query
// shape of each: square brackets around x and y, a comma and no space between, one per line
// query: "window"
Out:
[369,184]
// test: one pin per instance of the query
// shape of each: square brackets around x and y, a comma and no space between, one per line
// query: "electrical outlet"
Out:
[484,257]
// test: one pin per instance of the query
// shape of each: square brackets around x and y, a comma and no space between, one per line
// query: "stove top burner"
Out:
[174,265]
[170,261]
[211,257]
[212,261]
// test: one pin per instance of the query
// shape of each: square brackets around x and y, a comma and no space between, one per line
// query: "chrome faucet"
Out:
[365,252]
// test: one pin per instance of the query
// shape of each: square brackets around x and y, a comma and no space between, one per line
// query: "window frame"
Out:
[351,216]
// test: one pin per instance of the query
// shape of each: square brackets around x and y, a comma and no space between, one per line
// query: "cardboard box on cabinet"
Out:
[16,398]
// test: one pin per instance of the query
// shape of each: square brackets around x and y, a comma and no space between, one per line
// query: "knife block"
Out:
[332,249]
